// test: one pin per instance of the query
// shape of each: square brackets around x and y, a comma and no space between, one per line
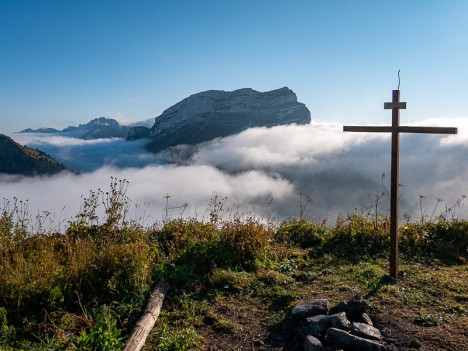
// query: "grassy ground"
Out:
[233,284]
[237,310]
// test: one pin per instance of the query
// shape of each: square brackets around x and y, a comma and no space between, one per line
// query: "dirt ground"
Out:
[251,325]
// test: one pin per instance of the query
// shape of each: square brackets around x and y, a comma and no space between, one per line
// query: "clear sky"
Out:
[64,62]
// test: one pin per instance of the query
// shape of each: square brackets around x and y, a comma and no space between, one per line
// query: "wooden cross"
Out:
[396,129]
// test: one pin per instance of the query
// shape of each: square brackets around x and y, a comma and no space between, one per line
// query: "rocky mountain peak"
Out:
[216,113]
[102,121]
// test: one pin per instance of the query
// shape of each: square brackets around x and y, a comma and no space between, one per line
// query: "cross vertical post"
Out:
[396,129]
[394,186]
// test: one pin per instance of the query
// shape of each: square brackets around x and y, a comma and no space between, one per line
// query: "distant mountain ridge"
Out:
[199,118]
[18,159]
[215,113]
[97,128]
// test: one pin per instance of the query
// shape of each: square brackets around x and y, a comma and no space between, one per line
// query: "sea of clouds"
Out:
[276,173]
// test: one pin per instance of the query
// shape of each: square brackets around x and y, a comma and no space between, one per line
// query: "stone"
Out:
[212,114]
[350,342]
[354,308]
[339,321]
[335,331]
[138,132]
[317,325]
[341,307]
[311,308]
[364,318]
[365,331]
[311,343]
[333,348]
[387,279]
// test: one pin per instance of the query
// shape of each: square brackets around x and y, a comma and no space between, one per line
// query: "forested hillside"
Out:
[18,159]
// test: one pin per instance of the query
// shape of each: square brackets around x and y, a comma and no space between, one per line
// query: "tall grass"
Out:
[61,291]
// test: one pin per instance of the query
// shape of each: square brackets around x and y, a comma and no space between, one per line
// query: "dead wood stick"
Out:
[146,323]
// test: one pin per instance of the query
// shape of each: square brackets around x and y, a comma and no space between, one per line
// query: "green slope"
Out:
[18,159]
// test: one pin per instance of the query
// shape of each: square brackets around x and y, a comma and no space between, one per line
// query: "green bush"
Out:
[449,238]
[355,237]
[300,232]
[442,240]
[177,234]
[246,242]
[237,245]
[103,334]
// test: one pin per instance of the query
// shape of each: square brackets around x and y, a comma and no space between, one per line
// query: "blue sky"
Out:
[66,62]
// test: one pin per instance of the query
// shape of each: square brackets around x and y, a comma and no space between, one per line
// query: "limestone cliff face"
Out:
[214,113]
[138,132]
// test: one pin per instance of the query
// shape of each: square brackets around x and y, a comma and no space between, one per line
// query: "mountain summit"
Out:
[215,113]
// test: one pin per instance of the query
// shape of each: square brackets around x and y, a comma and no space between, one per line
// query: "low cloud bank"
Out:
[261,171]
[194,185]
[89,155]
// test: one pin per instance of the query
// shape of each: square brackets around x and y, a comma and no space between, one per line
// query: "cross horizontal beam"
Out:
[397,105]
[400,129]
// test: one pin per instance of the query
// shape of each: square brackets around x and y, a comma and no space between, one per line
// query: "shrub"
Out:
[449,239]
[177,234]
[442,240]
[103,334]
[14,223]
[300,232]
[356,237]
[195,254]
[246,242]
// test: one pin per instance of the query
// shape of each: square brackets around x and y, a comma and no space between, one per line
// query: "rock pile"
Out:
[345,327]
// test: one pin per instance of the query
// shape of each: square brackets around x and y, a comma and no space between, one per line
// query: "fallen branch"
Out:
[146,323]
